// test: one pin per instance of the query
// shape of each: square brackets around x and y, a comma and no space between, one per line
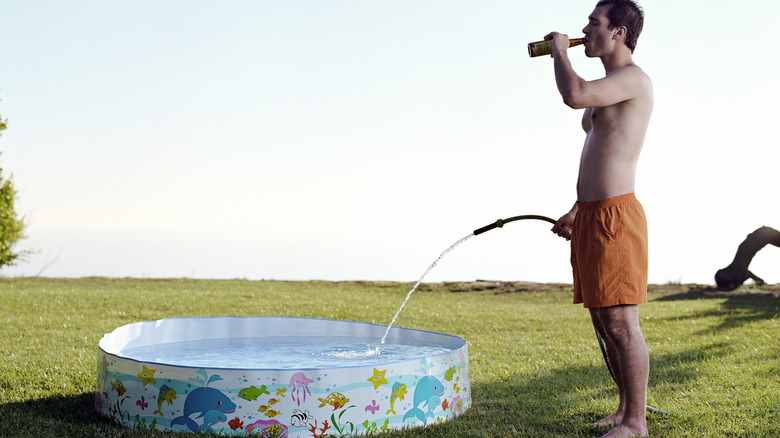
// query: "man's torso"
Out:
[615,135]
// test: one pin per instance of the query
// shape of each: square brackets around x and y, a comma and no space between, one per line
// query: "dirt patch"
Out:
[517,287]
[713,291]
[498,287]
[514,287]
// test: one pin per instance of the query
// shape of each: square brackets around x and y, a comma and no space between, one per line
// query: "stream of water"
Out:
[289,352]
[433,265]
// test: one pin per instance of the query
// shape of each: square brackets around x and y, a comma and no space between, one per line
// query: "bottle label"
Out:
[541,48]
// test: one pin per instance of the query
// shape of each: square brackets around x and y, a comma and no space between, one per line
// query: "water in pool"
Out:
[280,352]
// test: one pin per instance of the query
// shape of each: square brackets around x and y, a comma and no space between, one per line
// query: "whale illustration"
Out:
[210,404]
[428,391]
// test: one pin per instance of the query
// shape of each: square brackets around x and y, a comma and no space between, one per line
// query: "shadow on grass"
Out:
[64,416]
[510,408]
[681,367]
[737,309]
[556,404]
[566,401]
[550,403]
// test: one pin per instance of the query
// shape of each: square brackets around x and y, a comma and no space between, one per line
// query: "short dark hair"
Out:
[625,13]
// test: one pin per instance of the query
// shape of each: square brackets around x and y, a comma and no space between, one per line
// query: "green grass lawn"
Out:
[536,369]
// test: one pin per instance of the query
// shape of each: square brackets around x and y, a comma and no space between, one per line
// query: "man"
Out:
[607,225]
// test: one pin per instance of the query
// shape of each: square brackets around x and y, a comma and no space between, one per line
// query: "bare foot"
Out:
[612,420]
[624,432]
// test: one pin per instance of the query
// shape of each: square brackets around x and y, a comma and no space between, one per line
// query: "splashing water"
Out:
[433,265]
[281,352]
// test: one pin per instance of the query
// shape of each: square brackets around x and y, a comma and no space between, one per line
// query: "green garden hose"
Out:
[501,222]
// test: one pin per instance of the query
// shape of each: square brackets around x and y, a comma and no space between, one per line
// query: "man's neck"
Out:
[620,57]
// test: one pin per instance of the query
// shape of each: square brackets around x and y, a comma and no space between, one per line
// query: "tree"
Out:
[11,226]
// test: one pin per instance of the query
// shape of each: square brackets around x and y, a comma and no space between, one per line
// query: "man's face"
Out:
[598,36]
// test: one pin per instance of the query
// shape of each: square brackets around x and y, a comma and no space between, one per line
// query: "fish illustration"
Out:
[266,428]
[398,392]
[166,395]
[272,413]
[252,393]
[450,373]
[300,418]
[427,392]
[335,399]
[262,408]
[275,430]
[118,386]
[457,405]
[272,401]
[236,423]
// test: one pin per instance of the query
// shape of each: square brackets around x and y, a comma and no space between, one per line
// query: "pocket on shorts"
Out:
[610,224]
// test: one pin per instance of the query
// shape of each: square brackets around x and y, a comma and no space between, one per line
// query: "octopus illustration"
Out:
[299,382]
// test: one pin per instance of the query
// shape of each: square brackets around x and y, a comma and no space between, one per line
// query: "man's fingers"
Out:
[562,230]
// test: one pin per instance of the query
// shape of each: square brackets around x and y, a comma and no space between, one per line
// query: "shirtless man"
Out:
[607,225]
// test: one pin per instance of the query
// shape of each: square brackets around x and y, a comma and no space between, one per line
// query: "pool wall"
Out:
[303,402]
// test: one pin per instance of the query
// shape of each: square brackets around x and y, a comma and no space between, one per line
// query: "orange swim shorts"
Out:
[609,252]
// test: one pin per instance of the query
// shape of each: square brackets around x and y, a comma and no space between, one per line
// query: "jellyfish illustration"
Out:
[299,381]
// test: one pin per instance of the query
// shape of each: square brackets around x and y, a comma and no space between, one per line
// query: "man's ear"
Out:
[619,32]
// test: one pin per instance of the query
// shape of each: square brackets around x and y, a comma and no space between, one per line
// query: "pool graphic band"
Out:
[425,381]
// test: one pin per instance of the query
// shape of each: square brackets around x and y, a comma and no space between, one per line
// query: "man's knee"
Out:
[619,322]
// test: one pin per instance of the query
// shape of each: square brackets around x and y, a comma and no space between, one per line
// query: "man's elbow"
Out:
[573,101]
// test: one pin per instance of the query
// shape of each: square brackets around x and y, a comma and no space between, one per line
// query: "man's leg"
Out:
[614,419]
[630,362]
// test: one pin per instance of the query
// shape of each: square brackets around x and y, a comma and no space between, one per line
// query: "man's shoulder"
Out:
[634,78]
[630,70]
[633,71]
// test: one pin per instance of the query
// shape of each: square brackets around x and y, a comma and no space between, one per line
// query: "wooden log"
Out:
[733,275]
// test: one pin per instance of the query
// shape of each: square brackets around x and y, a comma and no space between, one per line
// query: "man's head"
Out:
[625,13]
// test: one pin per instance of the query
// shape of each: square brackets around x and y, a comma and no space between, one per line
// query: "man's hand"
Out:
[563,227]
[560,42]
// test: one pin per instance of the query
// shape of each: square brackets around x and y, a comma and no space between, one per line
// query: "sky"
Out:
[357,140]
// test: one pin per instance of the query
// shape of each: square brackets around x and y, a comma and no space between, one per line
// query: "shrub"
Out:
[11,226]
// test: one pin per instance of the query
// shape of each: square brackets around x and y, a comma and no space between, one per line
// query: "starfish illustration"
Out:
[146,375]
[378,378]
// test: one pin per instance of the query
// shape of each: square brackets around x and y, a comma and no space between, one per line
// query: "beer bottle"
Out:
[540,48]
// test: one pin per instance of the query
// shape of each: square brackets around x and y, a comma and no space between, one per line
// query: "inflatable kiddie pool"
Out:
[279,376]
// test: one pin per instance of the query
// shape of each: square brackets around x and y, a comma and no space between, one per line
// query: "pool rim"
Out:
[461,343]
